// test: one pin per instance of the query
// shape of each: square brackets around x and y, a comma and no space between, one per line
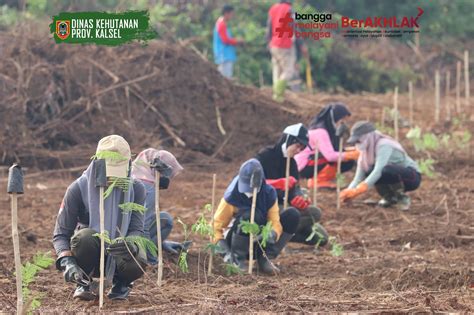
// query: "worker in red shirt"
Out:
[224,44]
[283,44]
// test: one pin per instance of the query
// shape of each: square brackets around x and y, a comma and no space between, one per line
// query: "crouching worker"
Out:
[322,136]
[383,163]
[142,170]
[75,236]
[273,160]
[236,204]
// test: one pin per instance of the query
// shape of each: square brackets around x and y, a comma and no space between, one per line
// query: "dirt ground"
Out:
[393,262]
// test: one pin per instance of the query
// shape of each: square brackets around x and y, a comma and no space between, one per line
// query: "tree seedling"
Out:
[15,188]
[212,248]
[204,229]
[336,248]
[255,183]
[183,255]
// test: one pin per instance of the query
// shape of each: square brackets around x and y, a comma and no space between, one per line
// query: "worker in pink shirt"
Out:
[322,135]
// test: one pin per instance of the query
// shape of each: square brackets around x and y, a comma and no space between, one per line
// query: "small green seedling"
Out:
[144,243]
[29,271]
[336,248]
[231,269]
[183,255]
[131,206]
[427,168]
[315,232]
[341,180]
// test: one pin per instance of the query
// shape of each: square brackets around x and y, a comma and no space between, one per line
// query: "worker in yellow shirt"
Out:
[236,204]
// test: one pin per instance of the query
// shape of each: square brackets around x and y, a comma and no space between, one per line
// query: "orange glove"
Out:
[351,155]
[348,193]
[279,183]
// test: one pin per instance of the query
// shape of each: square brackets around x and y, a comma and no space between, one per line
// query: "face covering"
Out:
[249,195]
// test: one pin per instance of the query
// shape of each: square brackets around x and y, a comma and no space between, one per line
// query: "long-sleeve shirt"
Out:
[73,212]
[384,155]
[223,43]
[226,212]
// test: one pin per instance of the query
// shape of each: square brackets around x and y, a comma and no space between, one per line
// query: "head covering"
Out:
[359,129]
[327,119]
[368,145]
[141,166]
[292,134]
[246,172]
[116,165]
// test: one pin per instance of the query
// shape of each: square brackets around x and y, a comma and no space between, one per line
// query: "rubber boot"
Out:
[119,291]
[387,192]
[326,177]
[279,90]
[403,200]
[84,293]
[271,252]
[312,235]
[240,249]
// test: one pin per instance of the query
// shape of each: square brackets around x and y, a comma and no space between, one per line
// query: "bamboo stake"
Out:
[410,101]
[395,108]
[446,97]
[315,177]
[458,87]
[15,187]
[252,221]
[338,182]
[102,247]
[437,96]
[466,81]
[382,123]
[213,203]
[158,227]
[287,182]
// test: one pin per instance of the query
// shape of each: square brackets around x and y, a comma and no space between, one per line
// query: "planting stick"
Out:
[213,203]
[410,101]
[287,182]
[446,97]
[458,87]
[382,123]
[466,80]
[437,96]
[14,188]
[158,227]
[309,77]
[338,182]
[315,177]
[255,183]
[395,108]
[101,182]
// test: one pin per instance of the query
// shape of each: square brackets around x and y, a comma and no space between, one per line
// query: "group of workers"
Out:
[285,49]
[381,163]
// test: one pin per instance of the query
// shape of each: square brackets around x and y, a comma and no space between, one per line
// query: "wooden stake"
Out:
[338,181]
[437,96]
[213,203]
[458,87]
[410,101]
[252,221]
[158,228]
[395,108]
[382,123]
[102,247]
[315,177]
[287,182]
[260,78]
[466,82]
[16,254]
[446,97]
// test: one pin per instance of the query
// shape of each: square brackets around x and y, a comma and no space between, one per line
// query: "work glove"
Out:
[222,248]
[119,249]
[164,182]
[176,247]
[72,271]
[350,193]
[280,183]
[300,202]
[351,155]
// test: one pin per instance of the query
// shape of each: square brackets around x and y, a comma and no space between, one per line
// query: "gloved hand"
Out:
[349,193]
[72,271]
[222,248]
[300,202]
[119,249]
[175,247]
[351,155]
[280,183]
[164,182]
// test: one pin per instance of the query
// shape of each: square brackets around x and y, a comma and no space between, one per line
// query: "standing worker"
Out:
[224,44]
[283,46]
